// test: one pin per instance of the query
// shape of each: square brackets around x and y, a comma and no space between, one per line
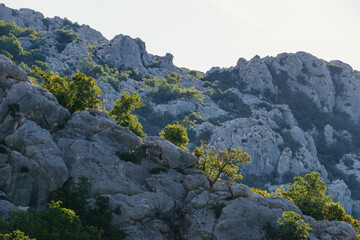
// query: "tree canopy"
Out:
[122,109]
[78,94]
[177,134]
[215,162]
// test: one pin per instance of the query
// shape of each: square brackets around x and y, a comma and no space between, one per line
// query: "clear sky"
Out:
[205,33]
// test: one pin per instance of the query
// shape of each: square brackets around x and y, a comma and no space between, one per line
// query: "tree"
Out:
[78,94]
[214,162]
[177,134]
[122,109]
[85,91]
[290,226]
[309,194]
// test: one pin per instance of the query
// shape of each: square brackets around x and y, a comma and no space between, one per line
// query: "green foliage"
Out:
[230,102]
[153,121]
[309,195]
[192,118]
[113,76]
[177,134]
[122,109]
[214,162]
[290,142]
[64,37]
[290,226]
[78,94]
[134,156]
[217,207]
[11,47]
[52,223]
[15,235]
[158,170]
[218,121]
[169,88]
[261,192]
[225,79]
[75,194]
[74,26]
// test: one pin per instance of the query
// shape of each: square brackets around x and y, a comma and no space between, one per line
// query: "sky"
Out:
[206,33]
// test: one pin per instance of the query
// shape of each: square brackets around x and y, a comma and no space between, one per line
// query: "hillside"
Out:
[293,113]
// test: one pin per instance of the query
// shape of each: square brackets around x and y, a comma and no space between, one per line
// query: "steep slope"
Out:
[42,149]
[294,113]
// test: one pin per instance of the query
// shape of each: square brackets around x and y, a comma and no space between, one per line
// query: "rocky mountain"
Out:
[293,113]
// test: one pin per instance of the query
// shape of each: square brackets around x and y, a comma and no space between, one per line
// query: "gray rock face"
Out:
[254,75]
[38,167]
[167,154]
[333,230]
[123,51]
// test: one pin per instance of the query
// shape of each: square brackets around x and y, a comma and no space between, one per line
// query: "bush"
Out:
[290,226]
[177,134]
[169,88]
[231,103]
[52,223]
[122,109]
[134,156]
[64,37]
[75,194]
[261,192]
[217,207]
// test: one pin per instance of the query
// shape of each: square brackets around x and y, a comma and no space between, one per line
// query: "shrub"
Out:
[134,156]
[75,194]
[177,134]
[217,207]
[261,192]
[64,37]
[169,88]
[290,226]
[122,109]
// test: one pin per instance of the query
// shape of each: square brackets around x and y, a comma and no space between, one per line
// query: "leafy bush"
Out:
[64,37]
[78,94]
[153,121]
[122,109]
[134,156]
[74,26]
[261,192]
[225,79]
[290,226]
[169,88]
[74,195]
[290,142]
[52,223]
[217,207]
[177,134]
[231,103]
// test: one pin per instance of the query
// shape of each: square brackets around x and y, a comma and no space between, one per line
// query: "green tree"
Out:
[51,223]
[309,194]
[290,226]
[78,94]
[122,109]
[85,91]
[15,235]
[214,162]
[177,134]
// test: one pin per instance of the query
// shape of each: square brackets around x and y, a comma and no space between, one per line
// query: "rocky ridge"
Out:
[42,149]
[279,91]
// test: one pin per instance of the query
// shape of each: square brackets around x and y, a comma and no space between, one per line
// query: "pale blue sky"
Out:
[205,33]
